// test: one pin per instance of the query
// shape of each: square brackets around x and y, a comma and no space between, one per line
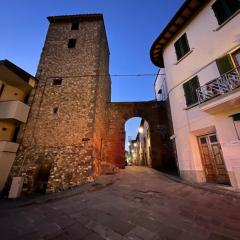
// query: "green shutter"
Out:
[224,9]
[194,87]
[224,64]
[190,88]
[178,50]
[236,117]
[219,11]
[181,46]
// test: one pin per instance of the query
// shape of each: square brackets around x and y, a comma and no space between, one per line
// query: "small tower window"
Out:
[72,43]
[75,26]
[57,81]
[55,110]
[4,129]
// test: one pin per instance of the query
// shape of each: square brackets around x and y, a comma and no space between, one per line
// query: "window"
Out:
[182,46]
[57,81]
[224,64]
[72,43]
[190,88]
[4,129]
[224,9]
[1,89]
[55,110]
[75,26]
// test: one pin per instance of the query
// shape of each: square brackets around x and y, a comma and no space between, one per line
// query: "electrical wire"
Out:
[109,75]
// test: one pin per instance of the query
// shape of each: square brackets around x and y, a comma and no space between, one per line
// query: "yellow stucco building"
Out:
[16,91]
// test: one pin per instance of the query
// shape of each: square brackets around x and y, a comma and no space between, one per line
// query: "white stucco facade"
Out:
[160,86]
[207,41]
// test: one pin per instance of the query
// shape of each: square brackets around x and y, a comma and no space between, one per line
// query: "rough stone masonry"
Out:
[64,141]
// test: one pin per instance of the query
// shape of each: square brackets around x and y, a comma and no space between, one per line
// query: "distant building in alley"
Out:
[144,144]
[16,96]
[199,50]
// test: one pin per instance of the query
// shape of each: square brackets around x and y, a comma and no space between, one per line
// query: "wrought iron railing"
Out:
[219,86]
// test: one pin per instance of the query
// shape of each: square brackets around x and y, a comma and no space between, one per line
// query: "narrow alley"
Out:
[136,203]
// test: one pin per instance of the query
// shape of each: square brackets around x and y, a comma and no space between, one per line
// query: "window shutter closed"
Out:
[194,86]
[187,91]
[224,64]
[190,88]
[224,9]
[219,11]
[178,50]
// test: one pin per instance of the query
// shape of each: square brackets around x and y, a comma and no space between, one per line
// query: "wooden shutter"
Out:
[224,9]
[181,46]
[178,50]
[224,64]
[190,88]
[184,44]
[219,11]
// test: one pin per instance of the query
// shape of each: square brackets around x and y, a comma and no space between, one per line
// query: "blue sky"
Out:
[131,27]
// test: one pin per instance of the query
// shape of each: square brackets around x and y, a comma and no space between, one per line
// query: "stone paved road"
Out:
[137,203]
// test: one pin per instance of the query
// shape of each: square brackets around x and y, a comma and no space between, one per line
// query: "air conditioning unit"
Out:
[16,187]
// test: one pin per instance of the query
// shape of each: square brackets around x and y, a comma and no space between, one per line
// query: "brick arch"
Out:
[154,113]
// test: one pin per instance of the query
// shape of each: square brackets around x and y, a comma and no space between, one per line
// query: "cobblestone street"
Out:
[137,203]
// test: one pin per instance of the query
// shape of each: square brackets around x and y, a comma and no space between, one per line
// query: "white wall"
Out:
[160,83]
[207,45]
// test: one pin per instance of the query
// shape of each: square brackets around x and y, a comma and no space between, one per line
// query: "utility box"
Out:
[16,187]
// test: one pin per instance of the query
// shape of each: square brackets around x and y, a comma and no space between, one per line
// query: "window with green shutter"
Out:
[224,9]
[224,64]
[190,88]
[182,46]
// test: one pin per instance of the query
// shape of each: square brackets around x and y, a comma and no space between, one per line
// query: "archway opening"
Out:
[137,142]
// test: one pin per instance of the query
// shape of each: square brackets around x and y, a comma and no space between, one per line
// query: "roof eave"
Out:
[187,11]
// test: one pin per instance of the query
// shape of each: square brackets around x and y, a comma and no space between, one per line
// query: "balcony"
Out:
[8,146]
[221,93]
[14,110]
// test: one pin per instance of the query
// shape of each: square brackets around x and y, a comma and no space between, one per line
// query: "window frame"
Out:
[75,26]
[57,81]
[182,47]
[223,12]
[72,43]
[188,87]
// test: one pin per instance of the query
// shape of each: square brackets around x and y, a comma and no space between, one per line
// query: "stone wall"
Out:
[67,140]
[85,136]
[155,114]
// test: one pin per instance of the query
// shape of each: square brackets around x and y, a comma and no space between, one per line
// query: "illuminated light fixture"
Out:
[140,130]
[135,144]
[132,151]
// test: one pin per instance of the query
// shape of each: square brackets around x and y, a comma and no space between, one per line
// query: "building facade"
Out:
[144,142]
[16,94]
[63,142]
[160,86]
[200,52]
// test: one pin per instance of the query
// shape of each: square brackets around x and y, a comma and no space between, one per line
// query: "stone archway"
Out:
[155,114]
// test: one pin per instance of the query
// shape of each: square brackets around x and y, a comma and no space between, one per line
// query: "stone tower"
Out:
[63,141]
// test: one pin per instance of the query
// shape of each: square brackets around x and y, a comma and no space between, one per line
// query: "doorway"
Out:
[212,159]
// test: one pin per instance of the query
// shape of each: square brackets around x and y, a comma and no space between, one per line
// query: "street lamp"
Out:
[140,130]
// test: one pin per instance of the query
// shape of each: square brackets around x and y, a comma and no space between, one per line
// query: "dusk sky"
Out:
[131,27]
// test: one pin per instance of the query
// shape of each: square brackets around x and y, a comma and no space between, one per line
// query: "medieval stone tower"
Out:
[62,144]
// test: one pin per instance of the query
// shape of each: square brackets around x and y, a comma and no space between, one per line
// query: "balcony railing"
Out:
[219,86]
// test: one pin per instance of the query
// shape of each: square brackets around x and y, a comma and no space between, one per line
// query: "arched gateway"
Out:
[73,128]
[155,114]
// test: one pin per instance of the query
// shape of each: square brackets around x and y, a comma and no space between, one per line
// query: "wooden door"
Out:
[212,159]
